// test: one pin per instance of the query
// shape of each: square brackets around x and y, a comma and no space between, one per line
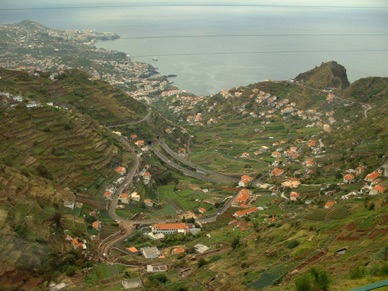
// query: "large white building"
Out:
[170,228]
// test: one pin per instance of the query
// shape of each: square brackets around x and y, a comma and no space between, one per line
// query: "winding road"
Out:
[127,226]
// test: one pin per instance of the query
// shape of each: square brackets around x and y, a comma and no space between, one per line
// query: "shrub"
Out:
[304,283]
[315,279]
[357,273]
[44,172]
[158,278]
[292,244]
[201,262]
[235,243]
[321,278]
[70,271]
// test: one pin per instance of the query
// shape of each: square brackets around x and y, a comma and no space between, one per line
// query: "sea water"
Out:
[215,45]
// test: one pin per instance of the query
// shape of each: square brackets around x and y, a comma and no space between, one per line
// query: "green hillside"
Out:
[56,147]
[74,89]
[48,155]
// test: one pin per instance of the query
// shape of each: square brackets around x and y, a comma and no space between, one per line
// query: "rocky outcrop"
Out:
[330,74]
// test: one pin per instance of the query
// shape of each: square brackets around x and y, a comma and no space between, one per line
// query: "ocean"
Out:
[216,45]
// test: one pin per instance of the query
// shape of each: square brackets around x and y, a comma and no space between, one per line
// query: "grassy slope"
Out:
[74,89]
[43,151]
[356,138]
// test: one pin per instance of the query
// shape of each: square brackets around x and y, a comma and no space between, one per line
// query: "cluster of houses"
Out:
[7,99]
[160,230]
[76,242]
[372,186]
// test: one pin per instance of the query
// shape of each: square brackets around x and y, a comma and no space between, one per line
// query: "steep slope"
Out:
[74,89]
[304,132]
[330,74]
[372,89]
[48,153]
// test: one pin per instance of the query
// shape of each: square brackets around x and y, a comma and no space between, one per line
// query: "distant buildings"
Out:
[172,228]
[242,199]
[150,252]
[245,212]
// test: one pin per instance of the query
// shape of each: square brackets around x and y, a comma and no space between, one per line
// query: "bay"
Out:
[213,46]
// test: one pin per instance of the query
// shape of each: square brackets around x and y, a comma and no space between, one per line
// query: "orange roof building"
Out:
[77,244]
[294,196]
[309,162]
[246,177]
[108,195]
[139,142]
[124,198]
[378,189]
[245,212]
[133,250]
[276,172]
[291,183]
[178,251]
[311,143]
[329,204]
[349,178]
[242,198]
[96,224]
[120,170]
[276,154]
[245,180]
[372,176]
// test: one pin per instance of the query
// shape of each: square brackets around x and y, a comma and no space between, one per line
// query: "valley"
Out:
[252,187]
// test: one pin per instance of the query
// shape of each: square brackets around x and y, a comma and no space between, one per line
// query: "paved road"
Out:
[217,176]
[145,118]
[127,225]
[206,176]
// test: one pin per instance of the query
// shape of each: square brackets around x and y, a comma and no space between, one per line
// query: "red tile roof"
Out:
[379,188]
[178,250]
[96,224]
[242,197]
[246,177]
[349,177]
[372,176]
[311,143]
[329,204]
[246,211]
[133,249]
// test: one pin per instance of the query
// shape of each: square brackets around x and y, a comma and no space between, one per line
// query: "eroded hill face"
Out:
[330,74]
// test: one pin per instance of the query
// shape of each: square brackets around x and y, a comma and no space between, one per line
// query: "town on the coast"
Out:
[139,185]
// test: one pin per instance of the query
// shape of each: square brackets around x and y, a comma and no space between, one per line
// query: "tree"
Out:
[321,278]
[70,271]
[43,171]
[235,242]
[162,278]
[21,231]
[314,279]
[201,262]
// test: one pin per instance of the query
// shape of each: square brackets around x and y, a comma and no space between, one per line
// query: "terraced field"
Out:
[58,145]
[75,90]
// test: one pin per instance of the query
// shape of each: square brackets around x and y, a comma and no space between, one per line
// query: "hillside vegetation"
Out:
[49,155]
[326,230]
[74,89]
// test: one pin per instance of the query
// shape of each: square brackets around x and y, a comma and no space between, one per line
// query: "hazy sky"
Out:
[4,4]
